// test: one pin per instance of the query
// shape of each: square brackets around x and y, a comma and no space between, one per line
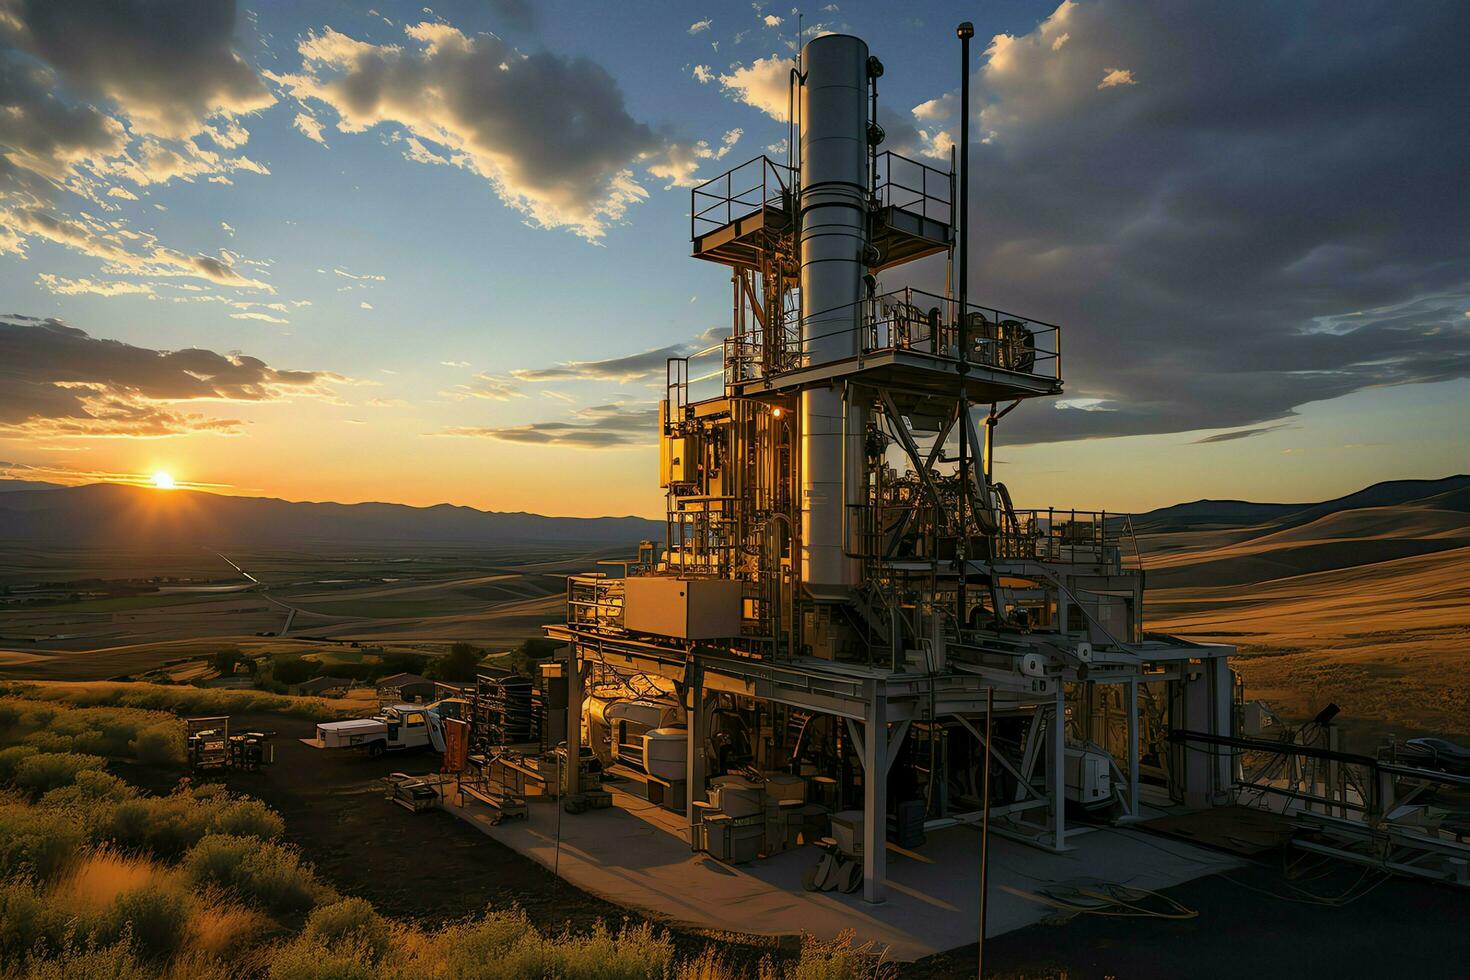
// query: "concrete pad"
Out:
[636,854]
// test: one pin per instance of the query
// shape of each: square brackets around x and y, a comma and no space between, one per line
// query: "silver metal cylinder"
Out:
[833,205]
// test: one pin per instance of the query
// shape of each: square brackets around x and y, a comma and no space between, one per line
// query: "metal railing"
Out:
[925,323]
[914,187]
[1069,536]
[736,193]
[594,601]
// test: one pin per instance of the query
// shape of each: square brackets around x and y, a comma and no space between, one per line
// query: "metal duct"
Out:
[834,202]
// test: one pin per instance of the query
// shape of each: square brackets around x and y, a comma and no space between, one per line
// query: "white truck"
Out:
[394,729]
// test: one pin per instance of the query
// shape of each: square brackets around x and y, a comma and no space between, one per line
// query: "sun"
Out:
[163,481]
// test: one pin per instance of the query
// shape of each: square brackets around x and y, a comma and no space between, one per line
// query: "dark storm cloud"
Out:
[552,134]
[56,379]
[1233,209]
[45,134]
[599,427]
[170,64]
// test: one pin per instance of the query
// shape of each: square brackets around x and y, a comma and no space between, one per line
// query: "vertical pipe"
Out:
[571,772]
[965,31]
[875,794]
[694,748]
[1133,808]
[985,830]
[1058,768]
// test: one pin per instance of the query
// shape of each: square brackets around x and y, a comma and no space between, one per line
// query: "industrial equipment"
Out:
[844,577]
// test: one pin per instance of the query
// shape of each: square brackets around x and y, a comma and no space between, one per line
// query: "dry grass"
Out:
[102,875]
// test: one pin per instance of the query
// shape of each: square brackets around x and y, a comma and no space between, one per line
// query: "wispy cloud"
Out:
[612,426]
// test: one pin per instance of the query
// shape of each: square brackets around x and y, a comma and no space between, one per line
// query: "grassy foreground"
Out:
[180,699]
[100,880]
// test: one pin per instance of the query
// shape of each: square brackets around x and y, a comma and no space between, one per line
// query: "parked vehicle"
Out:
[395,728]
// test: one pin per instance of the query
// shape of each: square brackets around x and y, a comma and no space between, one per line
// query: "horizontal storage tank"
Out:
[665,753]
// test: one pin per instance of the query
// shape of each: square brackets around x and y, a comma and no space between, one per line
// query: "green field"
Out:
[384,608]
[127,602]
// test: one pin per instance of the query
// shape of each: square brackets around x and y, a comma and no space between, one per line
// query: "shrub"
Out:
[263,873]
[47,771]
[154,916]
[161,697]
[841,960]
[27,921]
[294,670]
[247,818]
[159,745]
[90,962]
[10,760]
[461,663]
[311,959]
[170,825]
[36,842]
[91,790]
[351,922]
[634,951]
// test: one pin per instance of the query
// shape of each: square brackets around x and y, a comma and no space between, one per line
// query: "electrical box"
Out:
[688,608]
[676,460]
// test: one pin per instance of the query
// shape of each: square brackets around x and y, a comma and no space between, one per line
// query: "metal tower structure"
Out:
[844,580]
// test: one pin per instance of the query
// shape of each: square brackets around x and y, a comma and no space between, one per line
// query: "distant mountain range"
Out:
[113,515]
[1232,543]
[1450,493]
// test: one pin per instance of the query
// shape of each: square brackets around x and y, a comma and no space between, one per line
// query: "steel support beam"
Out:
[694,788]
[571,772]
[1133,807]
[875,796]
[1058,771]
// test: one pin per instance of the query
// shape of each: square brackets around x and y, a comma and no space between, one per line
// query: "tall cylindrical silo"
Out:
[833,206]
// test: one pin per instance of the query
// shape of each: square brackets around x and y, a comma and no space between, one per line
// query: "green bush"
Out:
[154,916]
[47,771]
[37,842]
[162,697]
[154,737]
[10,760]
[311,959]
[263,873]
[352,922]
[461,663]
[159,745]
[246,818]
[91,790]
[90,962]
[294,670]
[27,921]
[169,825]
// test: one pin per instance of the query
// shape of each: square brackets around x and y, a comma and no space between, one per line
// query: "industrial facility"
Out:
[852,634]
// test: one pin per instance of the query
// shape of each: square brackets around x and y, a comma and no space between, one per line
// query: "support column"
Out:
[572,770]
[1133,808]
[1223,724]
[694,787]
[875,795]
[1058,769]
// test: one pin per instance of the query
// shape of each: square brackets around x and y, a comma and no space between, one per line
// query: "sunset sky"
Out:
[388,251]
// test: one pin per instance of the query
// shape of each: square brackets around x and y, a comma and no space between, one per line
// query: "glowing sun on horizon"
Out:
[163,481]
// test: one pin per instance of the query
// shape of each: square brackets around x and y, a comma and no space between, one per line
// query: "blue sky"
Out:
[1246,224]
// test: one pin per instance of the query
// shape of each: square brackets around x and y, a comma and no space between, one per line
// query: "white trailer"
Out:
[395,728]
